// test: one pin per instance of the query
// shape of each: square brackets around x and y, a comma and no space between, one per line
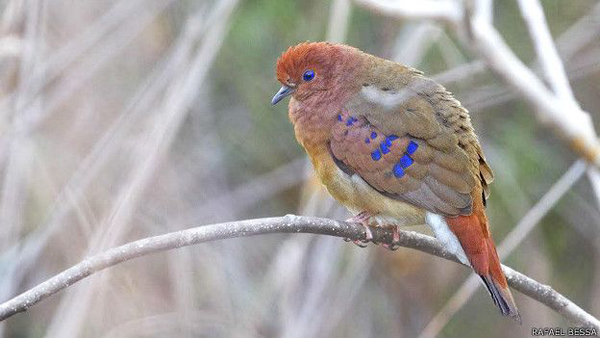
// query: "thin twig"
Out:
[157,141]
[575,126]
[339,18]
[445,10]
[580,34]
[551,64]
[547,54]
[288,224]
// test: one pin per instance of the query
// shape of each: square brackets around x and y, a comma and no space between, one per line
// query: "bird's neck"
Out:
[315,117]
[312,128]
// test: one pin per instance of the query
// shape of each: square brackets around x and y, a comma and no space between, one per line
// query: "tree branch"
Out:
[569,121]
[288,224]
[445,10]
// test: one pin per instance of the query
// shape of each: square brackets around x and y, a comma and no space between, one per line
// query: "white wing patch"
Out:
[448,238]
[386,99]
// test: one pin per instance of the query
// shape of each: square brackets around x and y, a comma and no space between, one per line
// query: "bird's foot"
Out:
[363,219]
[395,240]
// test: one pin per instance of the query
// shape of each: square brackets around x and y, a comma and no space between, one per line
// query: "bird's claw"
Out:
[391,247]
[361,244]
[363,219]
[358,242]
[395,240]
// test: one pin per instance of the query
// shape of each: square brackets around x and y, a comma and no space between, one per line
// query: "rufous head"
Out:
[309,68]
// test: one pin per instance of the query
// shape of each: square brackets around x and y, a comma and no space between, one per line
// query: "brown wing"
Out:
[422,151]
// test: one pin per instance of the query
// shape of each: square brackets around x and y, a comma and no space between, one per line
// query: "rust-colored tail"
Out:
[473,234]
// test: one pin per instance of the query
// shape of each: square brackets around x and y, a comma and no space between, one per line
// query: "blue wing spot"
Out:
[392,137]
[350,121]
[367,140]
[376,155]
[388,142]
[384,147]
[339,117]
[412,147]
[373,135]
[398,170]
[406,161]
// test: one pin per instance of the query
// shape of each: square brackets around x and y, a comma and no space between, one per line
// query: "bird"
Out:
[395,148]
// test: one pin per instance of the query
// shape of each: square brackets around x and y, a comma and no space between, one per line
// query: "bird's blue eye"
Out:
[308,75]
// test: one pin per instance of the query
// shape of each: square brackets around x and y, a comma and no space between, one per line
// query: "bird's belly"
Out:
[358,196]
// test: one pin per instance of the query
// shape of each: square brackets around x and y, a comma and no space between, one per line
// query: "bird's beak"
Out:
[283,92]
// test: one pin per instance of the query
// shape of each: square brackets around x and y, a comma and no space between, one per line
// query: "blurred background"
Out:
[122,119]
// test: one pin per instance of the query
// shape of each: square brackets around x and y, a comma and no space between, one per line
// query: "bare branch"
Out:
[287,224]
[445,10]
[339,17]
[575,126]
[546,51]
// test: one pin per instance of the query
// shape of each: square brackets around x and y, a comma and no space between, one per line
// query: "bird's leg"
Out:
[395,239]
[363,219]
